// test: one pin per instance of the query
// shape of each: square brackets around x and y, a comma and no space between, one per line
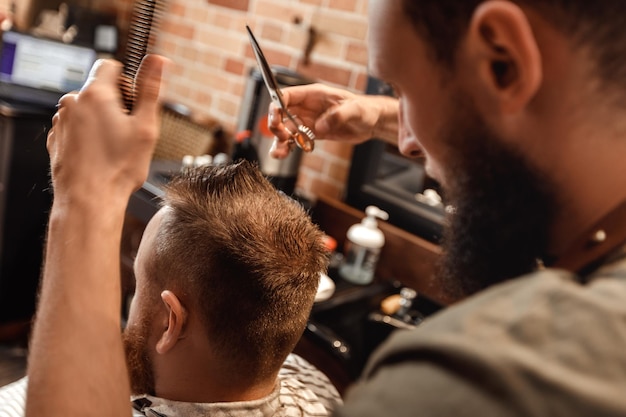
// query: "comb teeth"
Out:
[144,23]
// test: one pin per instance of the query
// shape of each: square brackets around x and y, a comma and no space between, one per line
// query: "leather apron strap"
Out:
[606,236]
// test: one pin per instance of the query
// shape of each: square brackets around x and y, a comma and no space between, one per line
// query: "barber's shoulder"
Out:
[476,322]
[539,313]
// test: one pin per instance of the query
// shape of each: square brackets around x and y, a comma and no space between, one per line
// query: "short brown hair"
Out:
[248,256]
[599,25]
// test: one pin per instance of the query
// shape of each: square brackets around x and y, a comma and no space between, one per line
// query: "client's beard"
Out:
[135,340]
[503,208]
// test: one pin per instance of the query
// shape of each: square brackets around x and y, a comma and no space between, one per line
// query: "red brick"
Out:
[339,171]
[313,161]
[363,8]
[210,58]
[167,46]
[345,24]
[234,66]
[349,5]
[360,83]
[212,79]
[201,98]
[273,56]
[231,4]
[228,106]
[329,189]
[185,31]
[227,19]
[329,46]
[285,11]
[296,38]
[198,13]
[272,32]
[181,90]
[175,69]
[220,39]
[238,87]
[176,9]
[357,53]
[188,52]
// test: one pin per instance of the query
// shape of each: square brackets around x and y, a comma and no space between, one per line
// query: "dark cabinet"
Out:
[25,199]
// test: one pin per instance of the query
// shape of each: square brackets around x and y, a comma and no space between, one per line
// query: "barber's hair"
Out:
[246,256]
[598,25]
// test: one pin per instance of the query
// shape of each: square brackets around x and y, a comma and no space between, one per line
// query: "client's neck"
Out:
[199,381]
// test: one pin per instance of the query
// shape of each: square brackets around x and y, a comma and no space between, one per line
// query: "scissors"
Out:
[300,134]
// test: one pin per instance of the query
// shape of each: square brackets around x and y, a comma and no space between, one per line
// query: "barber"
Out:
[517,108]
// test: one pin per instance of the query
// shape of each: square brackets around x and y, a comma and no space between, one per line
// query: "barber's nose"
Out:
[407,142]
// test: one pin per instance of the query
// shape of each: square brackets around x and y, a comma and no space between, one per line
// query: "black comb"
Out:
[143,26]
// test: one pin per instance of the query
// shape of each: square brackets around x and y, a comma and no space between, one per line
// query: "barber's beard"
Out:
[503,208]
[138,359]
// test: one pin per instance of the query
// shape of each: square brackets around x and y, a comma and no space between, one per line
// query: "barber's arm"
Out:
[99,155]
[335,114]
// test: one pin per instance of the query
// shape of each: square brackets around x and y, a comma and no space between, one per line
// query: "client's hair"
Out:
[248,256]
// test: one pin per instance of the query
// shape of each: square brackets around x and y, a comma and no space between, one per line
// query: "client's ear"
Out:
[176,320]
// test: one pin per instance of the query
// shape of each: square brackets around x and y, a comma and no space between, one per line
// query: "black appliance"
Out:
[253,137]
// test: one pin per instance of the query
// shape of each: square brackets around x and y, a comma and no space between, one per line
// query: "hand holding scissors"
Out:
[300,134]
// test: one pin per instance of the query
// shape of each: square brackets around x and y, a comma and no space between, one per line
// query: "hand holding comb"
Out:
[143,25]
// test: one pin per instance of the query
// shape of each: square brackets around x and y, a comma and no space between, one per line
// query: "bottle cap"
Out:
[373,211]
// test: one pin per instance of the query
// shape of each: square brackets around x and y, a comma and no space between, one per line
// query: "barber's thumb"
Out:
[149,83]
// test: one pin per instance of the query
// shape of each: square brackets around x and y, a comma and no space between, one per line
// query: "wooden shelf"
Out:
[405,257]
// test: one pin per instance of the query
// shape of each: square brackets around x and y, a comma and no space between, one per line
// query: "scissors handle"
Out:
[300,134]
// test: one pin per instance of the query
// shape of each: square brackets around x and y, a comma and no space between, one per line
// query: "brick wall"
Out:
[208,44]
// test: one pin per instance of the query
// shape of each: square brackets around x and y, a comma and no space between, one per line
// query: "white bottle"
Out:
[363,245]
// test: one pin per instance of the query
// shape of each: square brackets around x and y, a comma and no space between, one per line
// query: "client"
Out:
[226,274]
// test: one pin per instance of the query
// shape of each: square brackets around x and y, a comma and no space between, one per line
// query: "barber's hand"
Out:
[333,114]
[95,144]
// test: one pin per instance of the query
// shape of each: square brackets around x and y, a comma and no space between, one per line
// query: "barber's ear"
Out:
[503,47]
[175,323]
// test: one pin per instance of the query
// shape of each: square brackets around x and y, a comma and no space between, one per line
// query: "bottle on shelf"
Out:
[363,245]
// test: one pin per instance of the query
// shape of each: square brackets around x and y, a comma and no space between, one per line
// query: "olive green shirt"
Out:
[539,345]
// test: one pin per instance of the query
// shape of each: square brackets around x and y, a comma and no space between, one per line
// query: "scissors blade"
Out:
[266,71]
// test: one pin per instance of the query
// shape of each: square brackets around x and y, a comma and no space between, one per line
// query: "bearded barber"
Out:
[517,108]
